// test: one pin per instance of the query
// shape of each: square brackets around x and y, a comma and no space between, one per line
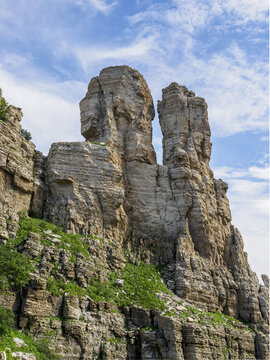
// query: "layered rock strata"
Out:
[16,172]
[80,328]
[175,214]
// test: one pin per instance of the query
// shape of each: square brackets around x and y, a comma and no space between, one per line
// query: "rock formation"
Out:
[16,171]
[176,215]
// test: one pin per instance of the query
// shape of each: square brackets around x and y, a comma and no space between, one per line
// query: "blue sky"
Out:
[50,49]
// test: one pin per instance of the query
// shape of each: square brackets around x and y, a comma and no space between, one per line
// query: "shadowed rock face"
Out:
[175,214]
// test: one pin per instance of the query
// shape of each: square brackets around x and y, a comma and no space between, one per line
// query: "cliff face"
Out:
[175,214]
[16,172]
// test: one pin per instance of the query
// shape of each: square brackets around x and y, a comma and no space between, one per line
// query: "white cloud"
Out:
[255,172]
[249,203]
[250,213]
[246,10]
[191,16]
[225,172]
[234,84]
[49,113]
[99,5]
[137,50]
[259,173]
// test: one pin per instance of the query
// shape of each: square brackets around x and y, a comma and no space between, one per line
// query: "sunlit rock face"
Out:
[176,214]
[16,171]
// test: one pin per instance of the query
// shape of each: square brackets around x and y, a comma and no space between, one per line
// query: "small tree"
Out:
[26,134]
[3,109]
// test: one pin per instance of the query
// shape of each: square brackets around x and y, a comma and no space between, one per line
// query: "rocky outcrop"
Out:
[78,327]
[111,190]
[16,172]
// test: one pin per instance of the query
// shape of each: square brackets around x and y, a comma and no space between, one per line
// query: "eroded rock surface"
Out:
[176,214]
[16,172]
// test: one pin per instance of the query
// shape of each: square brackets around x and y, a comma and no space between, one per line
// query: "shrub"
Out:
[15,267]
[6,321]
[3,109]
[26,134]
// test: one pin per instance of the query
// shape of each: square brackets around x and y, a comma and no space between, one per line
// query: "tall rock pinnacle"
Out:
[186,132]
[118,110]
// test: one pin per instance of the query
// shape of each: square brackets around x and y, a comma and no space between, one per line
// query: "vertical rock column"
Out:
[204,208]
[118,111]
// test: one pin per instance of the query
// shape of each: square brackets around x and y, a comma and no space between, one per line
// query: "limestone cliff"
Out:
[16,171]
[128,209]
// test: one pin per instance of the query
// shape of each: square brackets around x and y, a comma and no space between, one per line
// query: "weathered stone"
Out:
[71,307]
[19,342]
[23,356]
[110,189]
[16,172]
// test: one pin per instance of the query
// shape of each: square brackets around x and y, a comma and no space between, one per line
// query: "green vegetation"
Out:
[115,340]
[141,283]
[38,153]
[3,109]
[26,134]
[149,328]
[39,348]
[74,243]
[6,321]
[213,318]
[15,267]
[60,286]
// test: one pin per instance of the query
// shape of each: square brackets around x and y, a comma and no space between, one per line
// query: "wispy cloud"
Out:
[249,202]
[255,172]
[250,213]
[233,82]
[50,112]
[135,51]
[100,5]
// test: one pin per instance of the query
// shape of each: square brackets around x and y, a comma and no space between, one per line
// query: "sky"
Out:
[50,49]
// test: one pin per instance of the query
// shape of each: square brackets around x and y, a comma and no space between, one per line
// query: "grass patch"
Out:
[141,283]
[73,242]
[7,332]
[214,318]
[114,340]
[60,286]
